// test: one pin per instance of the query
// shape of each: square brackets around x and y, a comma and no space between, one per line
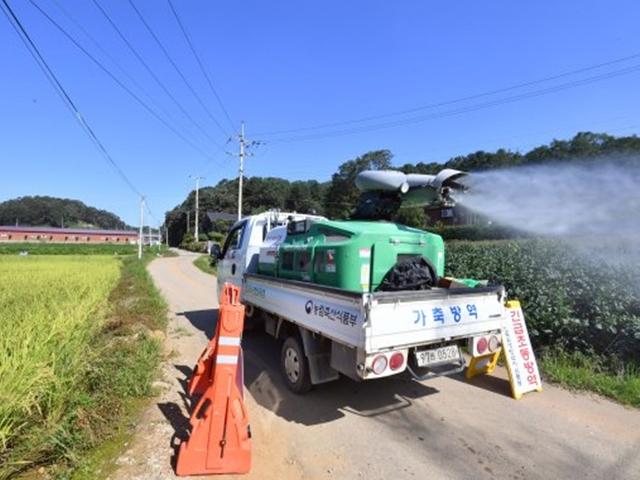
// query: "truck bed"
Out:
[381,320]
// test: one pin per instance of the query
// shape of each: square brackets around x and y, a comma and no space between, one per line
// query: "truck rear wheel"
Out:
[294,366]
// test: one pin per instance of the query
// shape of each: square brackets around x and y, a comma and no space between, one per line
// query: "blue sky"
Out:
[286,65]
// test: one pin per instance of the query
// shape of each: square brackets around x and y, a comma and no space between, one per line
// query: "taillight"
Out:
[482,345]
[379,364]
[494,343]
[396,361]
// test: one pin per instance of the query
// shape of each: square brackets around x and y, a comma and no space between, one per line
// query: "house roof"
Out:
[72,231]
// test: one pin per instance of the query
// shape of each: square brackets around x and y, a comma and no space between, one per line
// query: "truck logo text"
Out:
[335,314]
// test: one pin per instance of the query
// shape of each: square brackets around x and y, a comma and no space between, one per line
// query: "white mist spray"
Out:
[561,199]
[596,203]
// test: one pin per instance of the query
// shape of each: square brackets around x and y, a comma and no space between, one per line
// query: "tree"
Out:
[411,217]
[306,197]
[56,212]
[342,194]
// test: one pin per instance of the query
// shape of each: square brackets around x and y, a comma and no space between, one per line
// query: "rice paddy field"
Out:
[50,308]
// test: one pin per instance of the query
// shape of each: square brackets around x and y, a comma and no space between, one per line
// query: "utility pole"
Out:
[197,179]
[241,171]
[141,223]
[149,234]
[188,220]
[244,145]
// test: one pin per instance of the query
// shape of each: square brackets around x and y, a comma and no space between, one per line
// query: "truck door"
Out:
[232,263]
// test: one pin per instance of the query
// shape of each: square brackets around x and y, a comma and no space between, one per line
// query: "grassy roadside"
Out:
[577,371]
[98,383]
[203,263]
[131,351]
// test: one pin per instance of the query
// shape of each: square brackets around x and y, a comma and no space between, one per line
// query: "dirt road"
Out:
[447,428]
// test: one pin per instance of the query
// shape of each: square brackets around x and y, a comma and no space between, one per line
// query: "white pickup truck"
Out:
[327,331]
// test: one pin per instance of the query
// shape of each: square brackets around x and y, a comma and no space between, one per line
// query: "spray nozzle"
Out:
[385,191]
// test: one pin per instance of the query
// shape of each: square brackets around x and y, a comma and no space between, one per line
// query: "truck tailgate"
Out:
[404,319]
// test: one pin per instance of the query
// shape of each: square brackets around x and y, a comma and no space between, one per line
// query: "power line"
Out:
[177,69]
[64,95]
[459,111]
[152,73]
[457,100]
[113,60]
[119,82]
[200,64]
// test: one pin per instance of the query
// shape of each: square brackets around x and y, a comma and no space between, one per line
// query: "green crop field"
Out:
[69,354]
[50,308]
[67,249]
[581,311]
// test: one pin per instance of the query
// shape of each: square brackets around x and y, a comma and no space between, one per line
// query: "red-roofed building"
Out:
[66,235]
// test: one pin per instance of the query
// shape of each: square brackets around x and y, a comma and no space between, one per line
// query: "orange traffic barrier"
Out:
[220,440]
[202,374]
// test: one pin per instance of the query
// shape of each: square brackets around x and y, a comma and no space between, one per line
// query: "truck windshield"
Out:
[234,238]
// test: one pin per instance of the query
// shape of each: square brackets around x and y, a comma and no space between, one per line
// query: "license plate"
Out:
[437,355]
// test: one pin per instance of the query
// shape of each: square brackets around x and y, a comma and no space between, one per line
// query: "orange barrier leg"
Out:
[201,377]
[202,374]
[220,440]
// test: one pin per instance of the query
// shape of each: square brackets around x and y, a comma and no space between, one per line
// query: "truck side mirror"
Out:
[216,252]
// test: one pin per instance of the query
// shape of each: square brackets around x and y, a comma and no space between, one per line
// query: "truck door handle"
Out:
[233,269]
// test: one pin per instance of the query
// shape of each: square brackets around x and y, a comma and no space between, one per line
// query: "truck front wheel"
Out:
[294,366]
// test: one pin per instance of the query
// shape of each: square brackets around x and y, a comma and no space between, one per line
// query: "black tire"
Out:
[294,366]
[252,322]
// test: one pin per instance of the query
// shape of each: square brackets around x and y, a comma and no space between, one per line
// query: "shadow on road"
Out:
[203,320]
[173,413]
[326,402]
[490,383]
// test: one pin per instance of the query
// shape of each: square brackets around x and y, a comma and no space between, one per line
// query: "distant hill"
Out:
[56,212]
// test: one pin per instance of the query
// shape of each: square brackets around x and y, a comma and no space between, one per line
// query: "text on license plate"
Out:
[437,355]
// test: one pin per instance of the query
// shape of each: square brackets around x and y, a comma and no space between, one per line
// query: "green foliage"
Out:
[203,262]
[54,212]
[412,217]
[569,302]
[66,387]
[217,237]
[189,243]
[583,146]
[476,232]
[260,194]
[305,197]
[198,247]
[67,249]
[188,238]
[586,372]
[342,195]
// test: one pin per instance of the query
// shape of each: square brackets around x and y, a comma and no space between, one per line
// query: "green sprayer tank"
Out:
[351,255]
